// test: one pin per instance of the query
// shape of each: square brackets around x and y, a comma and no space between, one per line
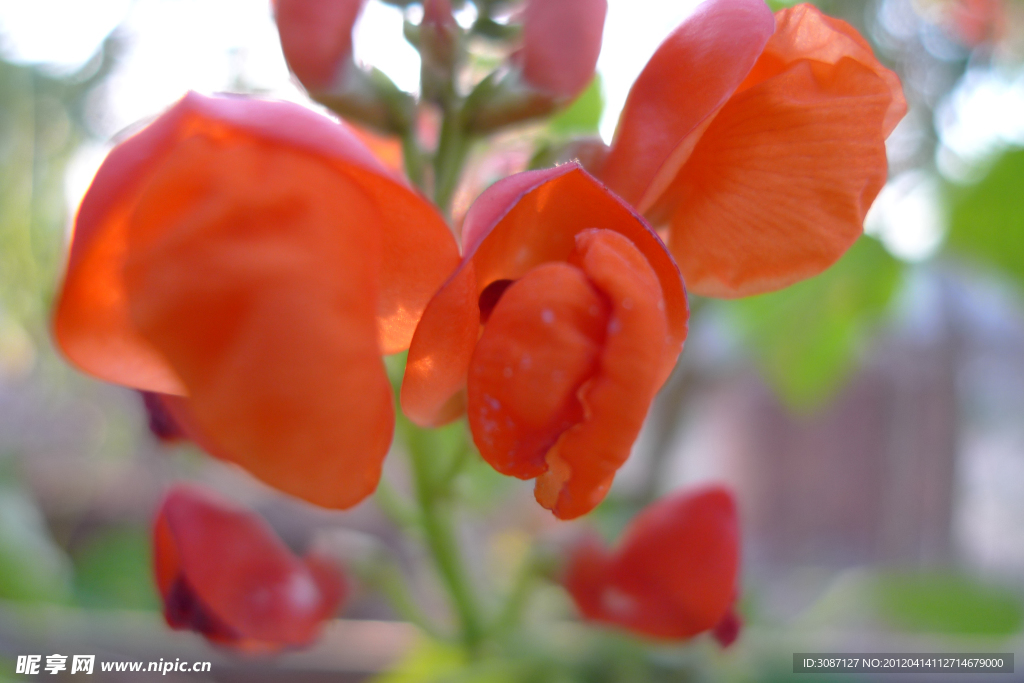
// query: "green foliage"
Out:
[584,115]
[948,603]
[32,567]
[805,338]
[987,219]
[114,570]
[41,125]
[928,601]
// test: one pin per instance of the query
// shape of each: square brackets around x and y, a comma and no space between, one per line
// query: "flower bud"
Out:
[561,42]
[316,37]
[221,571]
[672,575]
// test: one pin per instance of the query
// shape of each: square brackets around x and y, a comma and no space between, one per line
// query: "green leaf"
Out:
[942,602]
[114,570]
[584,115]
[987,219]
[805,338]
[32,567]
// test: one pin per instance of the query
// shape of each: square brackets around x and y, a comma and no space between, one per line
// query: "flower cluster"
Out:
[248,263]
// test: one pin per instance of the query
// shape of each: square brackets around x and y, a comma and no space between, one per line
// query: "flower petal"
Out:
[517,224]
[92,324]
[777,187]
[686,81]
[638,345]
[263,303]
[674,573]
[541,344]
[803,32]
[222,571]
[680,559]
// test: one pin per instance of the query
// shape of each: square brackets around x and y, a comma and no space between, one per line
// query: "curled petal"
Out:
[615,398]
[316,37]
[540,345]
[561,43]
[221,571]
[674,573]
[519,223]
[691,75]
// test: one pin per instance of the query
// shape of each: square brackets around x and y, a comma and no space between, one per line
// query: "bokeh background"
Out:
[871,419]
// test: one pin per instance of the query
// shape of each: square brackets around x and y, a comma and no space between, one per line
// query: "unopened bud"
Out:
[316,37]
[561,43]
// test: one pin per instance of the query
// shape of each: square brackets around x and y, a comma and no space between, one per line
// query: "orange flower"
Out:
[583,316]
[672,576]
[255,258]
[316,37]
[221,571]
[757,144]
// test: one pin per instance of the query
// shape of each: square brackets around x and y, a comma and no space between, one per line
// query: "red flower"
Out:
[316,37]
[757,144]
[561,43]
[583,316]
[255,258]
[672,576]
[221,571]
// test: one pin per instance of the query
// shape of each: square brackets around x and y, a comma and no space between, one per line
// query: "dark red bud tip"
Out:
[561,43]
[316,37]
[728,629]
[160,420]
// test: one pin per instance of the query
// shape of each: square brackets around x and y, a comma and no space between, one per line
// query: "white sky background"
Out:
[178,45]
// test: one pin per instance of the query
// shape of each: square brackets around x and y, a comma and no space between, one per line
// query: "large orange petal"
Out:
[540,345]
[518,223]
[686,81]
[615,400]
[251,269]
[804,33]
[92,324]
[777,188]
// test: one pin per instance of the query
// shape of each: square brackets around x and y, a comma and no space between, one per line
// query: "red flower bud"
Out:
[221,571]
[561,43]
[254,258]
[672,576]
[316,37]
[757,142]
[584,317]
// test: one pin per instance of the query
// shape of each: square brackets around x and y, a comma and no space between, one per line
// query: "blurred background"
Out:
[871,419]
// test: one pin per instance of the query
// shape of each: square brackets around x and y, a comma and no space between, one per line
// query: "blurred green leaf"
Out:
[32,567]
[987,219]
[948,603]
[435,662]
[584,115]
[805,338]
[113,570]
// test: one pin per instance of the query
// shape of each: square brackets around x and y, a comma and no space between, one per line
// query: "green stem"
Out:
[389,579]
[517,599]
[437,520]
[452,151]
